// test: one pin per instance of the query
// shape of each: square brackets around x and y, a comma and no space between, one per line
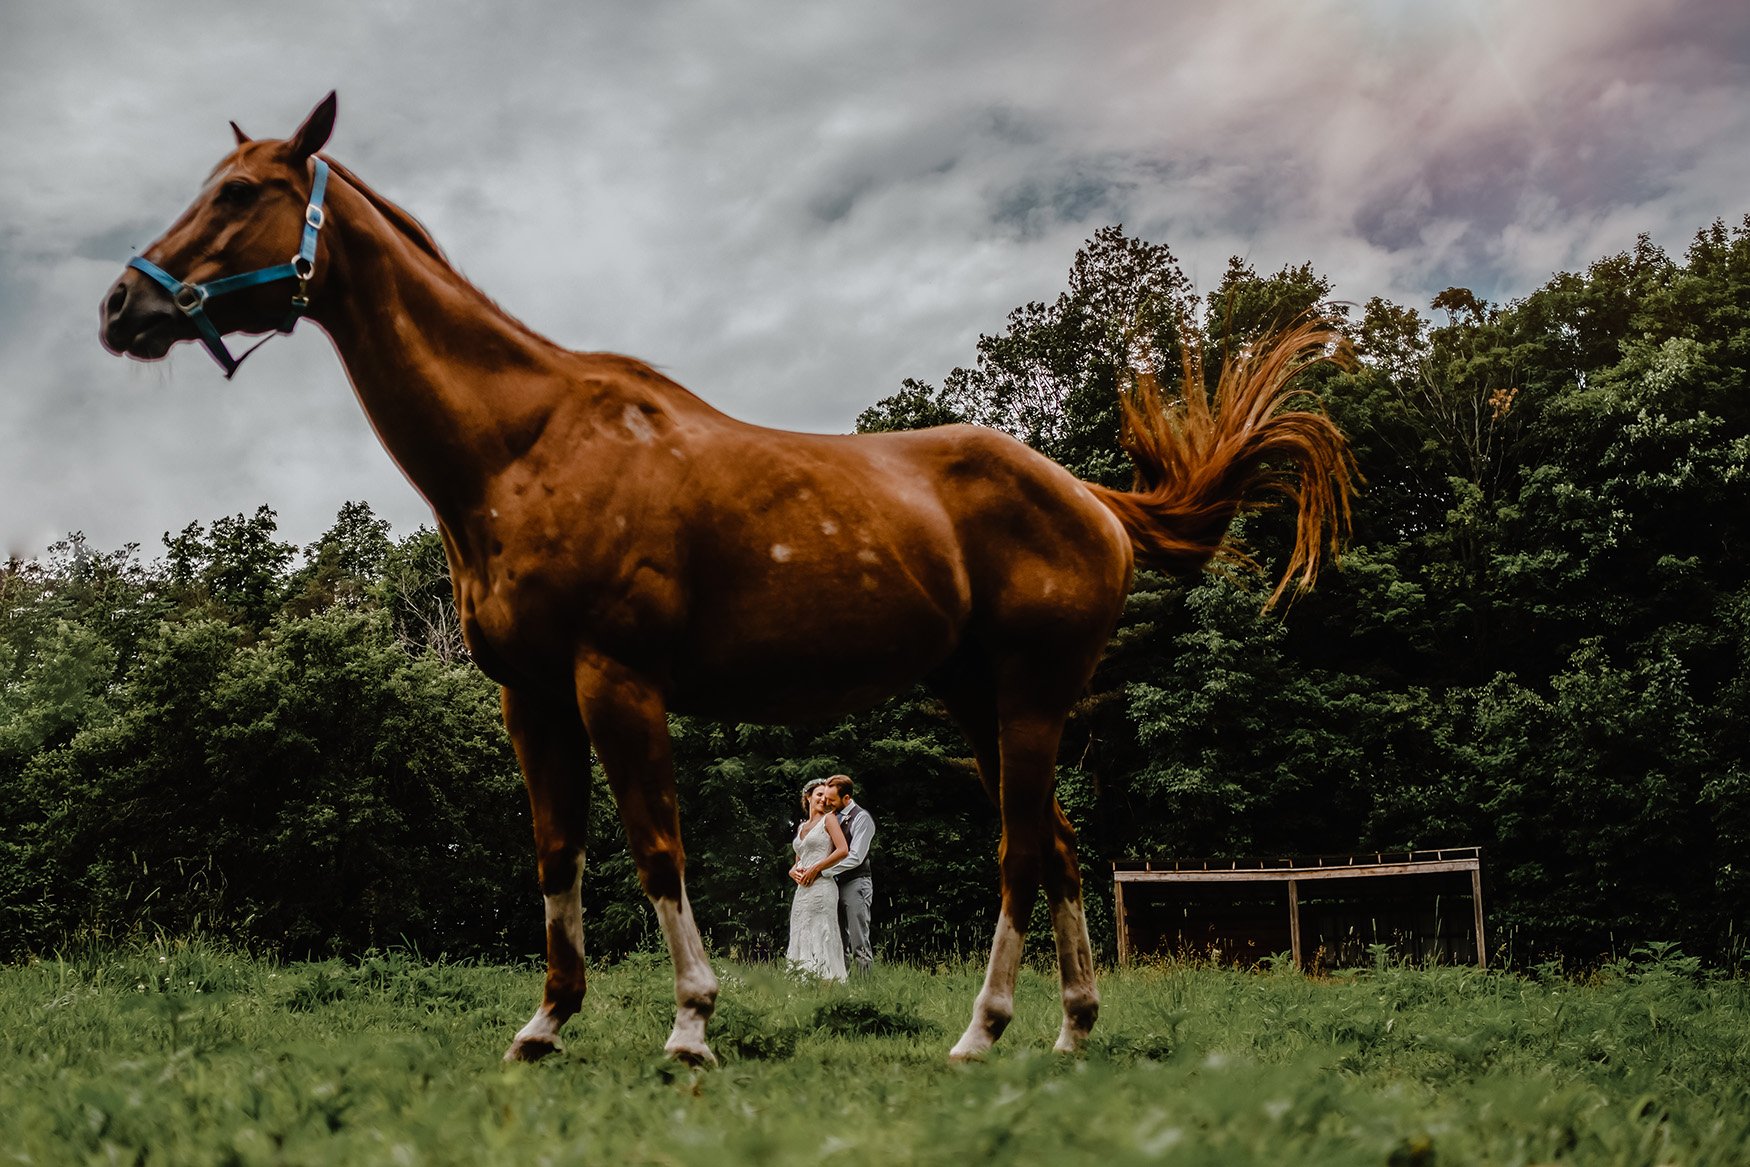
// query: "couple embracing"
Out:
[833,882]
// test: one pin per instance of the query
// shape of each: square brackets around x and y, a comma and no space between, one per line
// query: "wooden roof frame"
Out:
[1293,871]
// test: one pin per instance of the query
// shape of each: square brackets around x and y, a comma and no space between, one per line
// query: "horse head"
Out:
[241,258]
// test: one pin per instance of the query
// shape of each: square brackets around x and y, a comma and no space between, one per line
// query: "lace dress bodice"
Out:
[813,846]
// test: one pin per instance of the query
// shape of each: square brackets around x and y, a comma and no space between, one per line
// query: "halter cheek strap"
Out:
[192,298]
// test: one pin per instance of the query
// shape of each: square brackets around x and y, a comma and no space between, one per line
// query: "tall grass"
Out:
[187,1053]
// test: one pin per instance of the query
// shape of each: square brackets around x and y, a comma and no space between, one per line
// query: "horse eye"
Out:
[238,193]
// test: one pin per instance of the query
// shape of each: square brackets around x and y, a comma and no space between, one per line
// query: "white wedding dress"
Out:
[815,944]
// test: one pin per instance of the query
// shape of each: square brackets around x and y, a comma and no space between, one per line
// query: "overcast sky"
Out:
[789,206]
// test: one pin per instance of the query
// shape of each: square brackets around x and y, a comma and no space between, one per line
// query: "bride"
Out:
[815,945]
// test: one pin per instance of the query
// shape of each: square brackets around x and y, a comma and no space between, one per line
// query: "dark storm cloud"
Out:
[792,207]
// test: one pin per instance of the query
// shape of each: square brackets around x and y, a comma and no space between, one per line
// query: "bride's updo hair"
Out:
[808,789]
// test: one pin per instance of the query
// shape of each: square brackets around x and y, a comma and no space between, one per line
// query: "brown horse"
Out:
[621,550]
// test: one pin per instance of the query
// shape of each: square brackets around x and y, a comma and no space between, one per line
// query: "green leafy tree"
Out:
[916,406]
[414,588]
[236,567]
[1244,306]
[343,565]
[1537,643]
[1052,378]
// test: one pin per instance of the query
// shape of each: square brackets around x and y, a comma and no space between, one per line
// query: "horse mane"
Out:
[414,231]
[400,219]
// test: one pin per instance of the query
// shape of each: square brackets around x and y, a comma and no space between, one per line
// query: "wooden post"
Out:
[1476,899]
[1294,921]
[1122,920]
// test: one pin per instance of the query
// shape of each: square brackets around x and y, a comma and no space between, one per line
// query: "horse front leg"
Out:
[628,722]
[553,749]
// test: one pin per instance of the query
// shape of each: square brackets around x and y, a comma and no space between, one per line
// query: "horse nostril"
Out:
[117,297]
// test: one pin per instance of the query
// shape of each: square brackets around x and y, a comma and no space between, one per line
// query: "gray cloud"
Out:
[792,207]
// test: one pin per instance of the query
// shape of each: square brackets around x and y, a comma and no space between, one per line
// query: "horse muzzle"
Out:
[138,319]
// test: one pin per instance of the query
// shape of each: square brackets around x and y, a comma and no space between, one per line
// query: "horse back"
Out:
[756,570]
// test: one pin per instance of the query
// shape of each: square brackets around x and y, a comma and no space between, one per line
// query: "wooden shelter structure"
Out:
[1326,910]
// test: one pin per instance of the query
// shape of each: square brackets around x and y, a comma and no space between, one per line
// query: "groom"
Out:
[856,884]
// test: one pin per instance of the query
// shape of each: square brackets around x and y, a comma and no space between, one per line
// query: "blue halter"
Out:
[192,298]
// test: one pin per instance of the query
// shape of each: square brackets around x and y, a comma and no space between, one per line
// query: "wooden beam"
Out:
[1266,874]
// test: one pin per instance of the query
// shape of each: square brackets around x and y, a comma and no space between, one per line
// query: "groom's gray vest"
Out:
[861,870]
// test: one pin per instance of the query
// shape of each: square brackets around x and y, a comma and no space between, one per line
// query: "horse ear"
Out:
[313,134]
[237,132]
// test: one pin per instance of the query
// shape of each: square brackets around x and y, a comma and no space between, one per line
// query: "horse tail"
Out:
[1199,464]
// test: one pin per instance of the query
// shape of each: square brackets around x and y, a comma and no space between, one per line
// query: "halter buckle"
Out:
[314,217]
[189,298]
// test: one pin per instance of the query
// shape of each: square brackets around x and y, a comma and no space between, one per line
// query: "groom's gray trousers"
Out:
[856,897]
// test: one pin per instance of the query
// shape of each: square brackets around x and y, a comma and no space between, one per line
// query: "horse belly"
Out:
[812,657]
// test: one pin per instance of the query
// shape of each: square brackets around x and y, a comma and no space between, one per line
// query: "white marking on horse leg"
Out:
[1075,970]
[540,1037]
[566,910]
[695,985]
[996,1000]
[537,1039]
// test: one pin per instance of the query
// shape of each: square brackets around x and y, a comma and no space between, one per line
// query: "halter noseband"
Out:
[192,298]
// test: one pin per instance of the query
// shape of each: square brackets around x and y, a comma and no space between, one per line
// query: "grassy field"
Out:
[189,1054]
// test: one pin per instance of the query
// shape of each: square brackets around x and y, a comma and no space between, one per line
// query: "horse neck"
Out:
[453,386]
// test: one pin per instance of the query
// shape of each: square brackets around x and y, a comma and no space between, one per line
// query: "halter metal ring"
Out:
[314,217]
[189,297]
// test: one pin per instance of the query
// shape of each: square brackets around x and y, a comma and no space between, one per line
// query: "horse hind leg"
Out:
[966,686]
[554,752]
[628,722]
[1027,751]
[1069,924]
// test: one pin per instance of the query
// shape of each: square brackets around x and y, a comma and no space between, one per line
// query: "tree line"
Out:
[1538,642]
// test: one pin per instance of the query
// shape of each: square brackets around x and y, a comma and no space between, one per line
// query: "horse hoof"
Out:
[531,1049]
[964,1053]
[1071,1039]
[698,1056]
